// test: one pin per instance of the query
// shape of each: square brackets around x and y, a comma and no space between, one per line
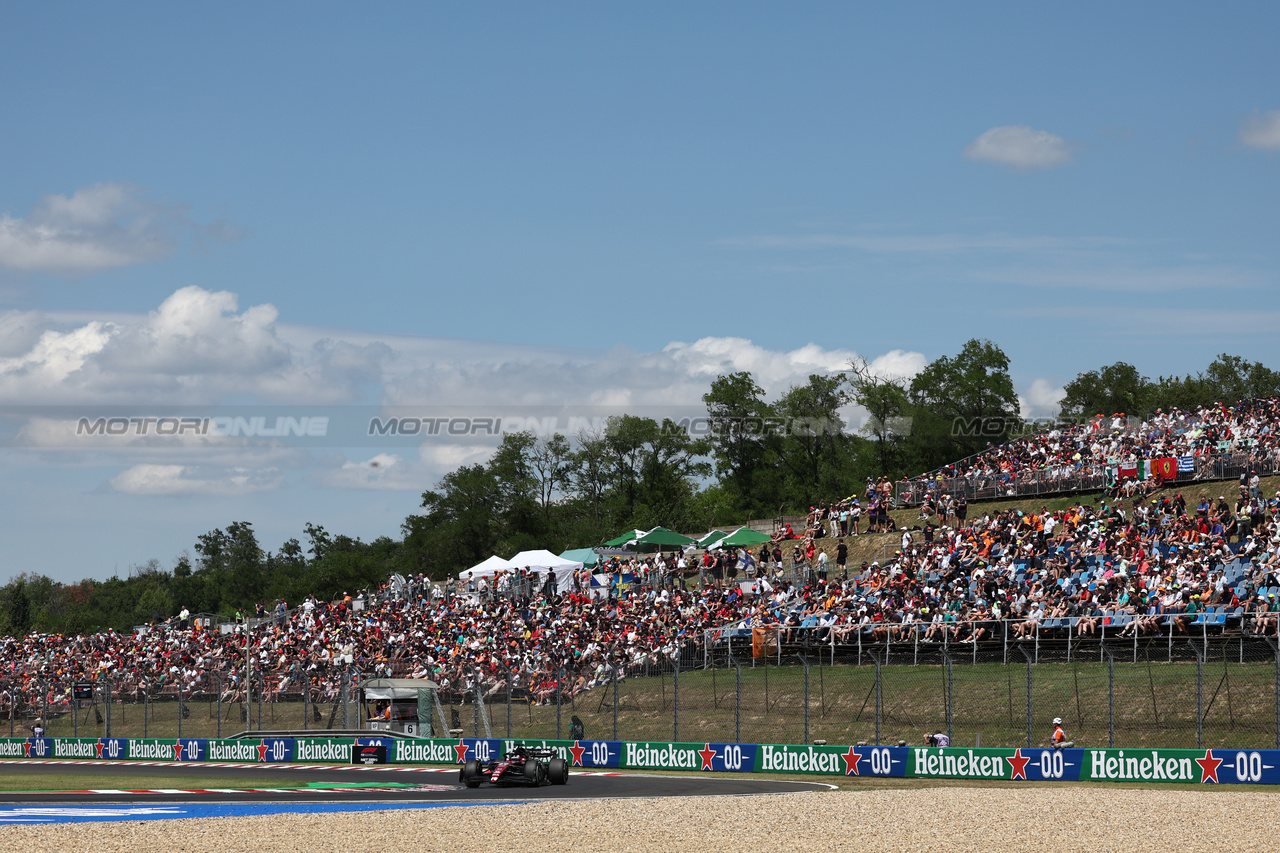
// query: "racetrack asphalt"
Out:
[430,786]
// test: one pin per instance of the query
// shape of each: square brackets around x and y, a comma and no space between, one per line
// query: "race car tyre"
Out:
[533,772]
[558,771]
[470,774]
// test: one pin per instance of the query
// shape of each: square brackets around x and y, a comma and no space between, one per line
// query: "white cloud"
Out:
[198,351]
[384,471]
[197,347]
[1020,147]
[96,228]
[1261,130]
[1042,400]
[196,332]
[19,331]
[443,458]
[898,364]
[677,375]
[153,479]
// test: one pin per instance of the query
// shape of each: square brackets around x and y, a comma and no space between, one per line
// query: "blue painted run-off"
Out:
[169,811]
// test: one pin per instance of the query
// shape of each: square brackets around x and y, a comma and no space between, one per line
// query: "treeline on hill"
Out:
[753,458]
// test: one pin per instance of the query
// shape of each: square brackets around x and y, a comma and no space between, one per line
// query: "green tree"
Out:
[886,400]
[550,461]
[588,478]
[18,607]
[743,440]
[652,469]
[815,450]
[1117,387]
[458,524]
[962,405]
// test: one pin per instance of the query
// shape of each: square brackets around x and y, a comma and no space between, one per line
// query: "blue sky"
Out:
[510,204]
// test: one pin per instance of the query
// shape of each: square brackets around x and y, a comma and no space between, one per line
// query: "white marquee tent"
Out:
[540,562]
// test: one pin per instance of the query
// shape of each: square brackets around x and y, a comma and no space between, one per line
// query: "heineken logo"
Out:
[322,750]
[792,759]
[63,748]
[424,753]
[1146,765]
[664,756]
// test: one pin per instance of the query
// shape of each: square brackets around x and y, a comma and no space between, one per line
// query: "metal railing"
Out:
[1064,480]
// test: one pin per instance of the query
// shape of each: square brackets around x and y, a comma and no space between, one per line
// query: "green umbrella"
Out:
[712,538]
[663,536]
[743,536]
[625,539]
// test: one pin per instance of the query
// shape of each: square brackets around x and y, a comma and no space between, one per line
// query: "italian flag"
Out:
[1139,470]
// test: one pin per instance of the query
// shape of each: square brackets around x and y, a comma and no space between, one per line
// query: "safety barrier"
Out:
[1222,766]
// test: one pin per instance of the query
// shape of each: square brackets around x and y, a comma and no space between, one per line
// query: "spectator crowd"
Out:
[1159,560]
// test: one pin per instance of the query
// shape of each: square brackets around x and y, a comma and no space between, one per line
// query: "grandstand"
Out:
[1140,566]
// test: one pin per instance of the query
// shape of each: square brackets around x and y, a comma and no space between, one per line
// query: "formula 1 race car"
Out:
[524,765]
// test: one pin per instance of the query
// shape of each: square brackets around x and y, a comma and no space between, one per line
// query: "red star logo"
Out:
[262,750]
[851,759]
[576,750]
[1209,767]
[177,750]
[26,748]
[1019,765]
[461,748]
[707,754]
[99,746]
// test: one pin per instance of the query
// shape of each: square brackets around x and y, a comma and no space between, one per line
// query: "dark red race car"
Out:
[525,765]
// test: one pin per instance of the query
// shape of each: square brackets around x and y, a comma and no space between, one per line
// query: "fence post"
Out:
[559,700]
[179,706]
[342,698]
[218,680]
[879,696]
[508,704]
[615,702]
[675,702]
[110,701]
[948,694]
[737,703]
[1028,656]
[1111,698]
[1199,694]
[359,705]
[805,658]
[1275,652]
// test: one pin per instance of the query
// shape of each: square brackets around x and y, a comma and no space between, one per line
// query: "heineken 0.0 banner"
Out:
[1211,766]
